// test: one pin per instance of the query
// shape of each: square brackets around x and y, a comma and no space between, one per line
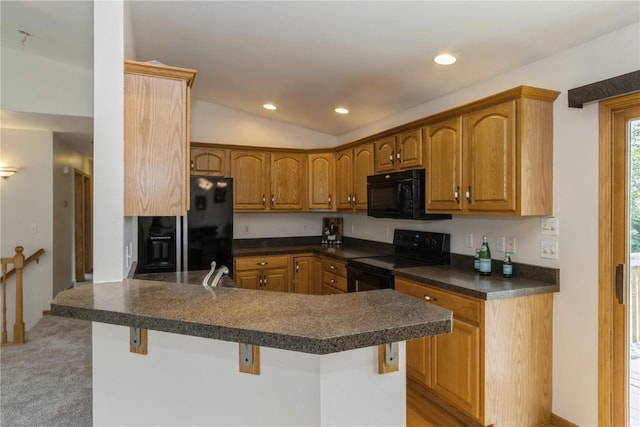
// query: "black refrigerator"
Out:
[191,242]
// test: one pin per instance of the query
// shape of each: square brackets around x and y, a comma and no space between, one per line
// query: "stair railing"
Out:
[19,263]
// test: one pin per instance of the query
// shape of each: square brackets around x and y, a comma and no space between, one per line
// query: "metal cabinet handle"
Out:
[260,281]
[456,194]
[468,194]
[398,154]
[193,166]
[349,198]
[329,200]
[429,298]
[353,199]
[273,200]
[264,280]
[332,267]
[333,280]
[262,263]
[297,267]
[264,200]
[391,157]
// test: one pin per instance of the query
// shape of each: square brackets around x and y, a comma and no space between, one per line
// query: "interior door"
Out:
[619,268]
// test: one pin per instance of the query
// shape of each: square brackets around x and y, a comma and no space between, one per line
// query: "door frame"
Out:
[612,369]
[83,228]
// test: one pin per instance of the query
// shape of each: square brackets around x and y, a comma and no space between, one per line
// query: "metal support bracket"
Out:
[249,358]
[388,358]
[137,340]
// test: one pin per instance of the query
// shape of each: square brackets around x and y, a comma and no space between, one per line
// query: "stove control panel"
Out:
[422,241]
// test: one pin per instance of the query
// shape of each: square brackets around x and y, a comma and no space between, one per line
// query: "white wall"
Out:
[108,149]
[37,84]
[27,203]
[219,124]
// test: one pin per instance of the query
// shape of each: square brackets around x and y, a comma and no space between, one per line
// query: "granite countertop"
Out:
[339,252]
[316,324]
[469,283]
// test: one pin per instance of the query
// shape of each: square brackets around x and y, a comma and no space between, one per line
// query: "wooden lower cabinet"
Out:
[494,368]
[304,279]
[268,273]
[334,276]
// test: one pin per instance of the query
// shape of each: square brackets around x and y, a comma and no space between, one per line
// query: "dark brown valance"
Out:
[620,85]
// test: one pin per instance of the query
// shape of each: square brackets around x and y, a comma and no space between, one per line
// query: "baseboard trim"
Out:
[558,421]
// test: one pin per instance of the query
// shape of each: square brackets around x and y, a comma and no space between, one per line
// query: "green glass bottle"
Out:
[507,266]
[485,258]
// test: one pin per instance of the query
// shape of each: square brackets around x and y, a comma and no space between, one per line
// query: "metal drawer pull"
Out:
[333,280]
[262,263]
[329,200]
[428,298]
[468,194]
[264,200]
[456,194]
[332,267]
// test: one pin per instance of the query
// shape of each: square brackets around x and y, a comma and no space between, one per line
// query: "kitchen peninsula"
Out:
[318,362]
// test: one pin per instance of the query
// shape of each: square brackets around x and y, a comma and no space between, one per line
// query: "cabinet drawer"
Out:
[334,280]
[330,290]
[462,307]
[334,267]
[252,263]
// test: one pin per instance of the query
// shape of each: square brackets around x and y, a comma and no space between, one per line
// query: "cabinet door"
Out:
[249,279]
[489,137]
[155,146]
[275,279]
[344,179]
[409,149]
[330,290]
[321,168]
[386,156]
[455,367]
[362,167]
[444,166]
[209,161]
[287,181]
[251,181]
[302,275]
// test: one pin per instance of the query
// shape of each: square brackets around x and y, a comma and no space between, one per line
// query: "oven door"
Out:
[359,279]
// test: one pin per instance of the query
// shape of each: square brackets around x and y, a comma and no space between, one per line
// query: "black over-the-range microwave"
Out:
[399,195]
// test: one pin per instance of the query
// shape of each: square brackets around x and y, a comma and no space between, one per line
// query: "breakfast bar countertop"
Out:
[316,324]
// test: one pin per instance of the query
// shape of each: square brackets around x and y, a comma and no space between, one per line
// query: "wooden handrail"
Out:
[34,257]
[19,263]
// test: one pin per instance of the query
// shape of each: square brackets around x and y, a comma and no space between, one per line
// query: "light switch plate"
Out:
[549,226]
[549,249]
[500,244]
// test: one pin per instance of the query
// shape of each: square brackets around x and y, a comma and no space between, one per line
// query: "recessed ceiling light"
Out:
[444,59]
[341,110]
[269,107]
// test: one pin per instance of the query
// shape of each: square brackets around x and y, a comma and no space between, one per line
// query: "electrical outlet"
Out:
[500,243]
[549,226]
[511,245]
[548,249]
[468,240]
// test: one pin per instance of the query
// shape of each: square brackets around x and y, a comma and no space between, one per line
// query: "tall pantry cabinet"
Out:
[156,141]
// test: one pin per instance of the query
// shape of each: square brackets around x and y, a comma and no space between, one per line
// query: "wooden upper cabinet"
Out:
[287,181]
[265,181]
[385,154]
[362,168]
[344,179]
[497,159]
[400,151]
[489,138]
[321,168]
[353,167]
[444,166]
[209,161]
[156,139]
[250,173]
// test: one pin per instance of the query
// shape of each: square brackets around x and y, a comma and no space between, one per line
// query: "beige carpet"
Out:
[47,381]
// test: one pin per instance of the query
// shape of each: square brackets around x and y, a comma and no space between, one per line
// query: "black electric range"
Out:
[411,249]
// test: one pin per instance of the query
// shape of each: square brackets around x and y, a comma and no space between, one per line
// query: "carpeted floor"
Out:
[47,381]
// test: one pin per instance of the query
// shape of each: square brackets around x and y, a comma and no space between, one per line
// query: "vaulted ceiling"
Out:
[308,57]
